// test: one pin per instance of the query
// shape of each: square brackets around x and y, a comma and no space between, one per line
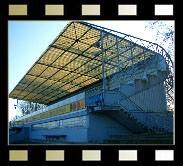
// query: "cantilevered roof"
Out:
[73,60]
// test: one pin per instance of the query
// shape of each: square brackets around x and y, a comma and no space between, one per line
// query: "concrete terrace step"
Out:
[144,138]
[142,135]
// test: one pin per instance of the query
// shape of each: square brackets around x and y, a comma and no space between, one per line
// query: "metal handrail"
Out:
[148,117]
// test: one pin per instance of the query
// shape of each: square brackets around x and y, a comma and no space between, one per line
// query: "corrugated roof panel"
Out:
[64,42]
[38,81]
[60,75]
[37,69]
[27,79]
[50,56]
[64,59]
[21,86]
[74,60]
[49,72]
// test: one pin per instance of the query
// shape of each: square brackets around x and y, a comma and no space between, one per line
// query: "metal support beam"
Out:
[132,59]
[117,53]
[102,51]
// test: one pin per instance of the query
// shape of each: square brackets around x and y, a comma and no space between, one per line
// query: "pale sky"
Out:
[29,39]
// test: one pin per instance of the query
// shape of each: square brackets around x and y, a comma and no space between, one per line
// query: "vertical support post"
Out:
[30,111]
[132,59]
[144,59]
[144,54]
[36,107]
[117,52]
[102,51]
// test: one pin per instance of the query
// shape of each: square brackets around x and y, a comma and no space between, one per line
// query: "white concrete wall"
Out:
[77,135]
[151,99]
[101,126]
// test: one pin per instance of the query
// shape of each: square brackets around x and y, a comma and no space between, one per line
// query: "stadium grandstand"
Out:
[99,86]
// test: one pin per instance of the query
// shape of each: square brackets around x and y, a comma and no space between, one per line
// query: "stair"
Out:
[141,138]
[126,120]
[157,122]
[134,117]
[148,82]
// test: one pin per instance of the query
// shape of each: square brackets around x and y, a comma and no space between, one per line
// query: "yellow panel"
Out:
[18,155]
[17,10]
[82,103]
[54,155]
[73,89]
[48,83]
[81,46]
[38,81]
[60,75]
[91,155]
[28,79]
[91,50]
[62,109]
[80,29]
[90,9]
[58,111]
[70,32]
[54,9]
[50,56]
[21,86]
[77,105]
[64,42]
[81,79]
[65,87]
[16,92]
[49,72]
[91,37]
[89,82]
[68,77]
[57,85]
[64,59]
[24,93]
[37,69]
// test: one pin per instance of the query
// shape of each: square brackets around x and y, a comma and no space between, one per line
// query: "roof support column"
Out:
[132,57]
[117,53]
[102,51]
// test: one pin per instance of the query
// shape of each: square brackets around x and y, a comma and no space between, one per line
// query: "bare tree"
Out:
[164,34]
[165,37]
[28,107]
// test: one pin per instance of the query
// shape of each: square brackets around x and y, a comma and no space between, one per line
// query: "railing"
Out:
[155,121]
